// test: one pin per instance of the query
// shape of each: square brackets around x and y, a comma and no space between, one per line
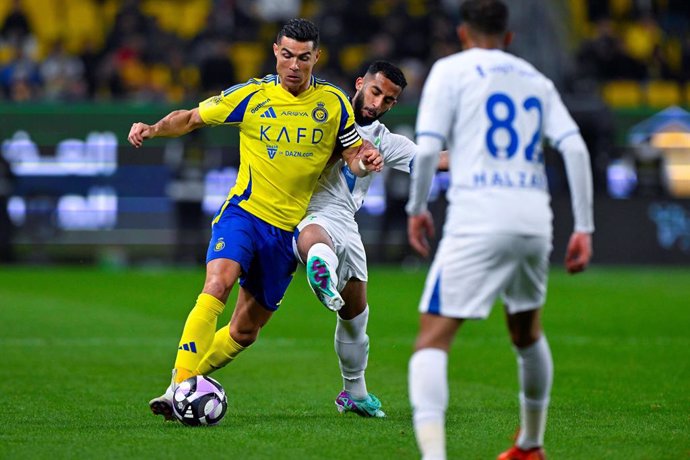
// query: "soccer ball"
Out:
[199,400]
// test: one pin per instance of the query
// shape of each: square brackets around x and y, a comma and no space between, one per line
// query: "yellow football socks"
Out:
[197,335]
[223,350]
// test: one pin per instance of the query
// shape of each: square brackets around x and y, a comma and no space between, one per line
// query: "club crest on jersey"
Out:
[320,114]
[272,150]
[220,245]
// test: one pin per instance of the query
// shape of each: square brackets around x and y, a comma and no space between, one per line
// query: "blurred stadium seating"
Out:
[106,62]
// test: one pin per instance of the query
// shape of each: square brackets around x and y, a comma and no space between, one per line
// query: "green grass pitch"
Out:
[83,350]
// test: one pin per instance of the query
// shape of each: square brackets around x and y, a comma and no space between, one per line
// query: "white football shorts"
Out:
[470,272]
[352,260]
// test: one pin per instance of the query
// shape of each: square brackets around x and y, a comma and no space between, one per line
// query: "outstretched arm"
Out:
[363,159]
[174,124]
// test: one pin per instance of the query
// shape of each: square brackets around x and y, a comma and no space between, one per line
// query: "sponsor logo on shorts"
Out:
[220,245]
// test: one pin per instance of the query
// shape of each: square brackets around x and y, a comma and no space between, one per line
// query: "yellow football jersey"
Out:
[285,142]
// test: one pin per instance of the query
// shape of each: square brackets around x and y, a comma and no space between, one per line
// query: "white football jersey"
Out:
[491,109]
[340,192]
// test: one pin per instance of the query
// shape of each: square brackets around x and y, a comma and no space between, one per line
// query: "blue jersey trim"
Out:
[350,178]
[435,301]
[234,88]
[237,114]
[236,199]
[564,136]
[431,134]
[323,82]
[343,110]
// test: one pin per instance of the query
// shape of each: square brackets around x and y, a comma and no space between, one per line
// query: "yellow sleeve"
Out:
[229,106]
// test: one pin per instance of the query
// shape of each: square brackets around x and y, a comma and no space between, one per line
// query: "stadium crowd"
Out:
[152,51]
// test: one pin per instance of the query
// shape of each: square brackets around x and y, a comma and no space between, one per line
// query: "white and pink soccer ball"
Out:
[199,400]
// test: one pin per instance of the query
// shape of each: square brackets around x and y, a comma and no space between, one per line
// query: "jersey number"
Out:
[505,123]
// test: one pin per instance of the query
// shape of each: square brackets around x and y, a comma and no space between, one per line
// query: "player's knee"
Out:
[218,287]
[522,338]
[311,235]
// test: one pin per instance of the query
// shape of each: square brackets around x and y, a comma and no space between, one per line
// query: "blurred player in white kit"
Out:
[492,110]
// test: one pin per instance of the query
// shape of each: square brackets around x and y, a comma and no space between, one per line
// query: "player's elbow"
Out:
[573,146]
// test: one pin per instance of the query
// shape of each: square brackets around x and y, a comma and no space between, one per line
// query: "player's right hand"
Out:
[579,252]
[137,133]
[372,159]
[419,229]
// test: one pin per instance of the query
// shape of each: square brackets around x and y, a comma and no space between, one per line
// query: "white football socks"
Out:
[324,252]
[428,386]
[352,348]
[535,372]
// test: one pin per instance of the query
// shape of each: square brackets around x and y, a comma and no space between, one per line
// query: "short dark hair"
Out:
[390,71]
[485,16]
[301,30]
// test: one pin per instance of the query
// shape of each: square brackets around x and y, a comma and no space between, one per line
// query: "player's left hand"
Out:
[419,229]
[579,252]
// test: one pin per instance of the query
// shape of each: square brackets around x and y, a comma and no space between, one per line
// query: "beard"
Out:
[358,106]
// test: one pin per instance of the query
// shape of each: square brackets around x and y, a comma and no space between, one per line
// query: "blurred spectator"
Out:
[62,75]
[642,37]
[277,10]
[216,69]
[685,60]
[16,28]
[604,58]
[90,58]
[20,77]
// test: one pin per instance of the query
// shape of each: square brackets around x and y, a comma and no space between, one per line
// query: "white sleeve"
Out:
[398,151]
[558,124]
[423,170]
[435,117]
[579,171]
[437,105]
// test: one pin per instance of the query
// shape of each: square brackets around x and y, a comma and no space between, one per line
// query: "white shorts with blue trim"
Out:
[470,272]
[344,233]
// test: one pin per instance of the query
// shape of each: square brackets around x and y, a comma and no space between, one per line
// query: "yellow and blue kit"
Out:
[285,143]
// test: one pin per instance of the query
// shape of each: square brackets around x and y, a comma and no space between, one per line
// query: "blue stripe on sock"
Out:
[192,345]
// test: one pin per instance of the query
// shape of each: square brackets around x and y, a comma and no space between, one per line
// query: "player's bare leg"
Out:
[535,371]
[352,348]
[316,249]
[247,320]
[428,383]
